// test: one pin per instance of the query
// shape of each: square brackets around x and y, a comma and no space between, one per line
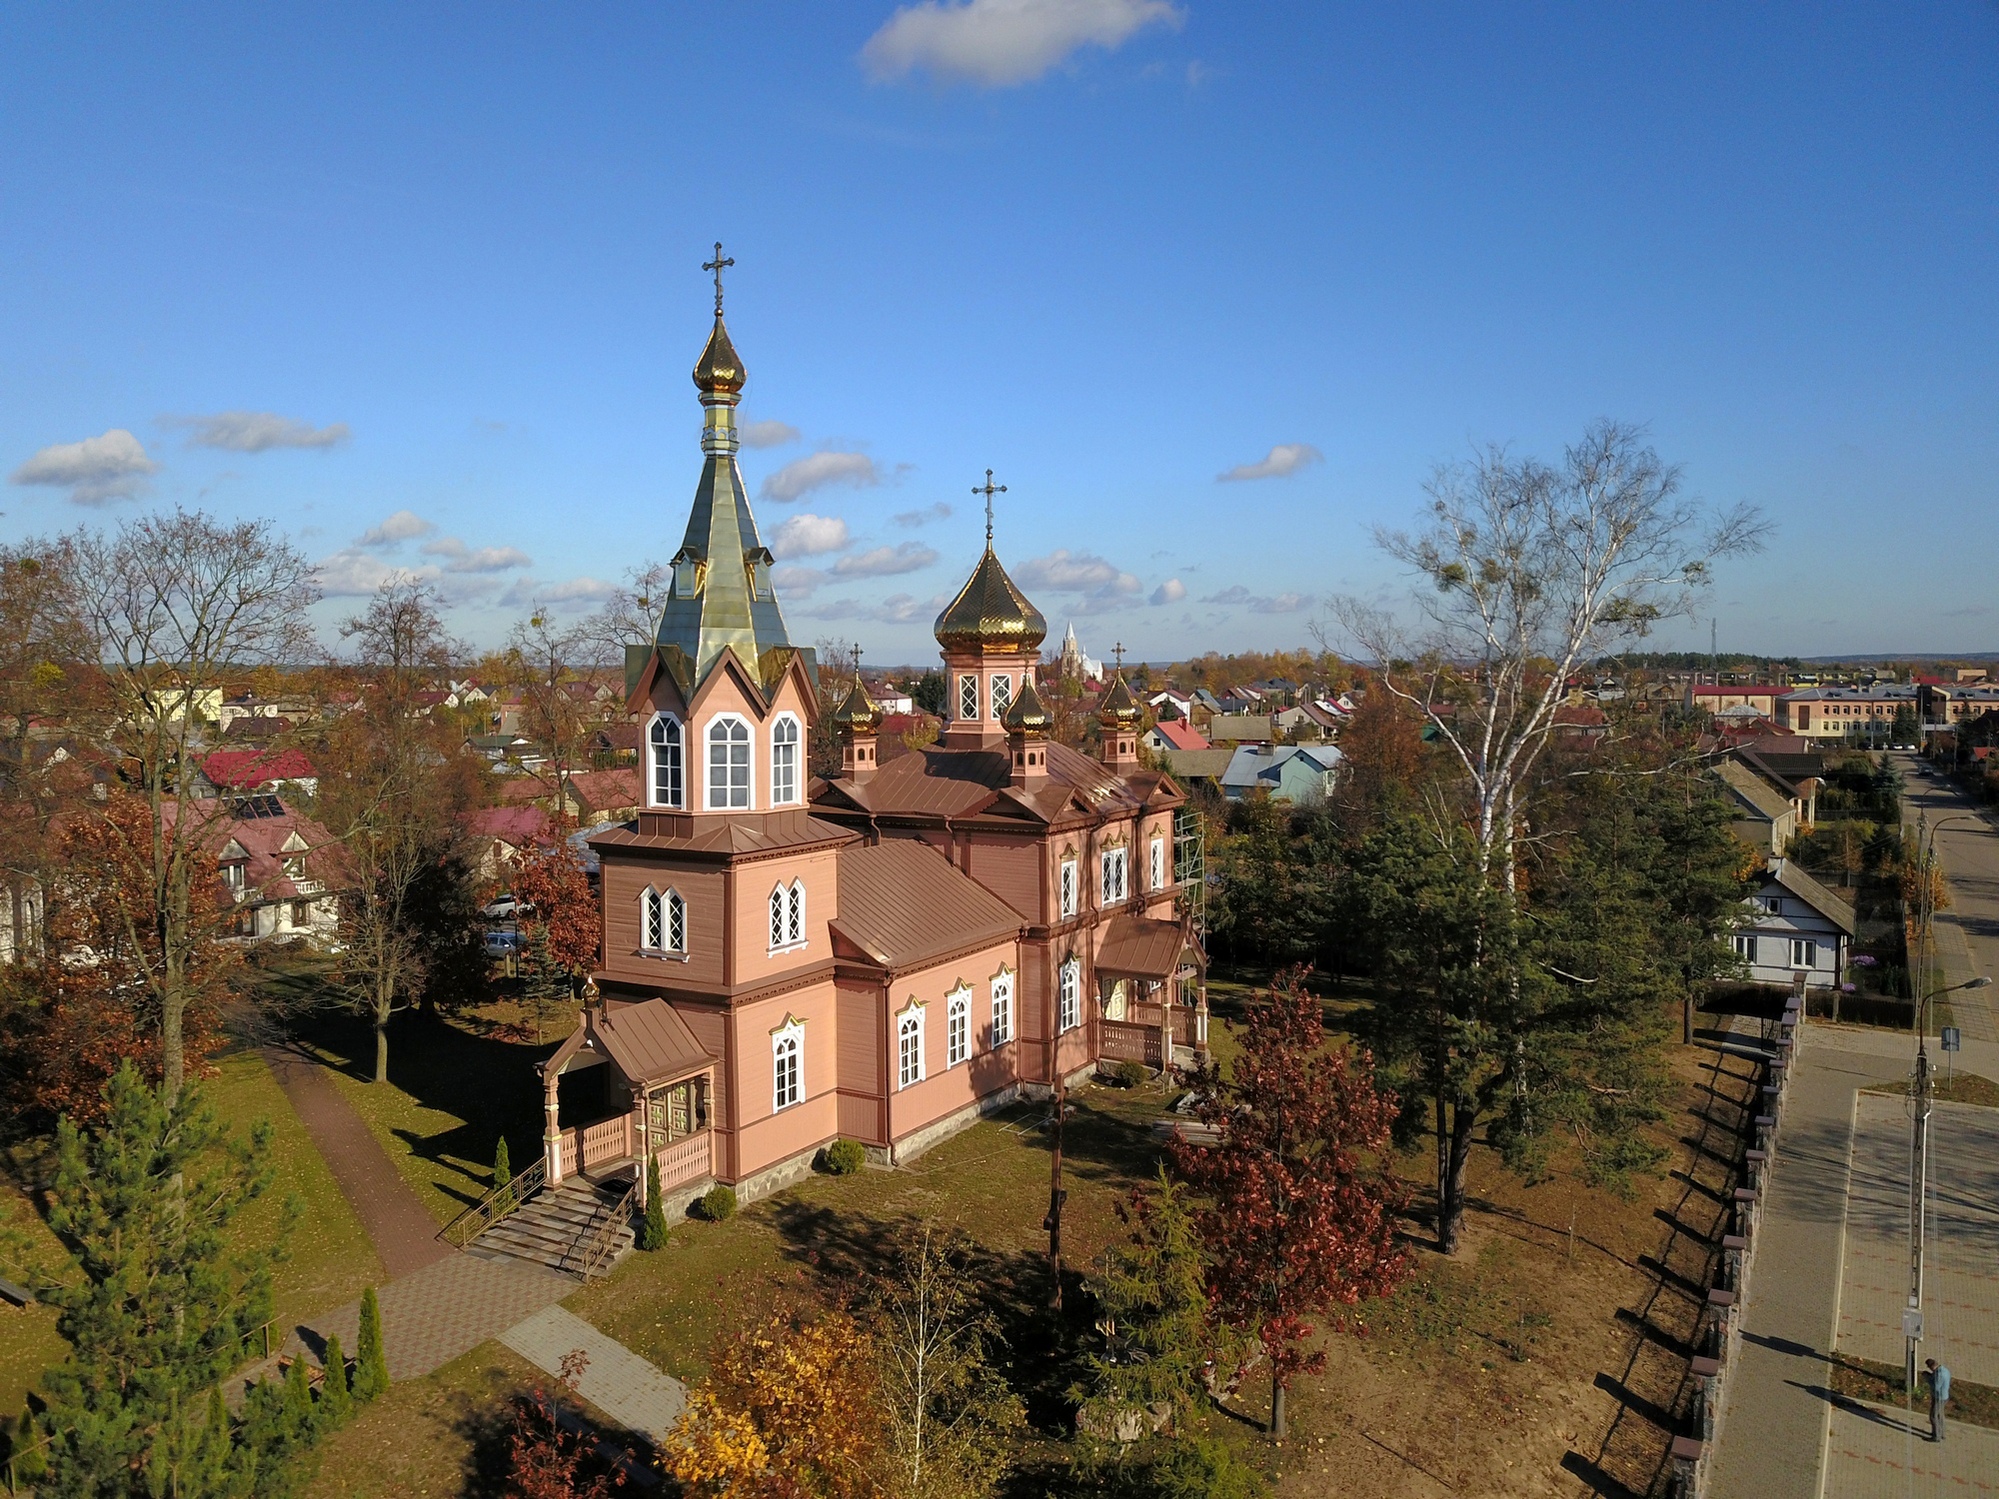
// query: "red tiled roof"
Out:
[262,840]
[518,826]
[246,770]
[1181,736]
[903,904]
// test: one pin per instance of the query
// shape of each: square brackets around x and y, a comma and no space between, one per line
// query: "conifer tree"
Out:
[156,1303]
[371,1366]
[336,1399]
[1154,1294]
[503,1172]
[298,1404]
[653,1234]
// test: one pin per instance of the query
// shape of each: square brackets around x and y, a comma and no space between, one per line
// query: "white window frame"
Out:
[1116,861]
[909,1070]
[678,761]
[1070,987]
[958,1025]
[652,920]
[1071,883]
[787,1045]
[1001,689]
[1157,856]
[968,681]
[749,765]
[1804,952]
[784,758]
[1002,992]
[787,916]
[1745,946]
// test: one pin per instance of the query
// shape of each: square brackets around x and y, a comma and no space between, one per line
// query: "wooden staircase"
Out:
[579,1228]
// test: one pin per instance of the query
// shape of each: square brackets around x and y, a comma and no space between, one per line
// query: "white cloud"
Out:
[258,431]
[768,434]
[796,581]
[573,593]
[1065,571]
[996,43]
[404,525]
[914,518]
[1285,459]
[95,471]
[808,535]
[896,609]
[1240,597]
[1169,592]
[885,562]
[803,475]
[353,573]
[465,559]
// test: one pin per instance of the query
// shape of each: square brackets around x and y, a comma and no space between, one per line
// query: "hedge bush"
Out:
[718,1203]
[845,1157]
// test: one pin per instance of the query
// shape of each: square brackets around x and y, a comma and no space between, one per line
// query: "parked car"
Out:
[501,943]
[505,907]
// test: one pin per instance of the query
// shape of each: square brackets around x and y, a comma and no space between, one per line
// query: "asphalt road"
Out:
[1967,934]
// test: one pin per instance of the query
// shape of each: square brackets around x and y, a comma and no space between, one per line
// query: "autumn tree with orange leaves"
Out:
[1300,1204]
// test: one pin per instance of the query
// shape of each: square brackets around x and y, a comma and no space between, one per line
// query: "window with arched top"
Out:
[728,764]
[909,1047]
[787,1057]
[957,1025]
[1156,871]
[663,746]
[1002,1007]
[662,921]
[1071,990]
[787,916]
[784,760]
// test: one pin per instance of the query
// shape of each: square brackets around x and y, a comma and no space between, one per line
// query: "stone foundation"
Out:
[916,1142]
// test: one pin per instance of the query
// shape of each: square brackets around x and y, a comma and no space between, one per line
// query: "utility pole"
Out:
[1919,1180]
[1056,1194]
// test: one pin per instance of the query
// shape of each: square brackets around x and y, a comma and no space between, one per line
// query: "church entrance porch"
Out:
[1151,992]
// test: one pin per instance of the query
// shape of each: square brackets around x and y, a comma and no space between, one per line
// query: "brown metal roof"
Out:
[739,833]
[903,903]
[939,782]
[649,1041]
[1141,946]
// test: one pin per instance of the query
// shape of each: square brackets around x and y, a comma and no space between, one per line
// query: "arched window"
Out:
[957,1025]
[778,908]
[1156,875]
[1070,882]
[909,1047]
[795,916]
[667,763]
[787,1057]
[1114,867]
[787,916]
[784,761]
[662,921]
[1002,695]
[1071,1014]
[728,764]
[1002,1007]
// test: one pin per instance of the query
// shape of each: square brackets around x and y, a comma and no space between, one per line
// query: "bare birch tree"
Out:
[630,616]
[541,660]
[1533,573]
[180,606]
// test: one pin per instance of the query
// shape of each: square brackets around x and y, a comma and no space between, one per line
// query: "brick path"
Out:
[625,1387]
[1872,1454]
[404,1232]
[447,1308]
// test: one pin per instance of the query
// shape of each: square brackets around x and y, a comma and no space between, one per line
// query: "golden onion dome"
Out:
[1119,708]
[858,713]
[719,370]
[1028,715]
[990,616]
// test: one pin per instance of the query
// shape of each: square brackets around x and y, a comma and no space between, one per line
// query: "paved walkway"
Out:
[404,1232]
[631,1391]
[1872,1454]
[446,1309]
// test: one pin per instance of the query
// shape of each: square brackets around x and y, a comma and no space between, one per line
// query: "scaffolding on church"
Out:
[1190,864]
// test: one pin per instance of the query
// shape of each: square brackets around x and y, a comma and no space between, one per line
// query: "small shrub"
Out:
[1130,1074]
[652,1233]
[845,1157]
[503,1172]
[1204,1468]
[371,1373]
[718,1203]
[29,1451]
[336,1399]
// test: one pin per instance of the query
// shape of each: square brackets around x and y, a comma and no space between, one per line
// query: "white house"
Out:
[1793,925]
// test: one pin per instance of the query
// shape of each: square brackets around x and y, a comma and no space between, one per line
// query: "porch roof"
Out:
[648,1041]
[1142,947]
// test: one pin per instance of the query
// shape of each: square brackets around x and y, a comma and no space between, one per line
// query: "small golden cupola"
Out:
[1118,718]
[1027,724]
[857,720]
[991,636]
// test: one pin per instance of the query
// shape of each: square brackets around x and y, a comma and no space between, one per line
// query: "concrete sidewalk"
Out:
[631,1391]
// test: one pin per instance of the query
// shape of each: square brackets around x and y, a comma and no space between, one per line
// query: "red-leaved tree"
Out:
[549,1456]
[1300,1201]
[559,930]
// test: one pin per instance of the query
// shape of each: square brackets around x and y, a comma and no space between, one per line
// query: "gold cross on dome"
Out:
[716,266]
[1118,651]
[989,489]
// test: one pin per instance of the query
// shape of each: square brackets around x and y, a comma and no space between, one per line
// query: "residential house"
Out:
[1200,767]
[284,772]
[1794,925]
[1794,774]
[1764,820]
[282,871]
[1173,734]
[613,744]
[1181,705]
[256,728]
[503,834]
[582,795]
[1241,728]
[1298,773]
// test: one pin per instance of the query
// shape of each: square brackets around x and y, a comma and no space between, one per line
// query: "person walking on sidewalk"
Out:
[1939,1394]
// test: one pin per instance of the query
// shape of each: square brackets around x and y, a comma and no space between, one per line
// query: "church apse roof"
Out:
[904,904]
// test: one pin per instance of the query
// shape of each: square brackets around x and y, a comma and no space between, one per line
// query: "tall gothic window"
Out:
[1071,1014]
[1115,863]
[663,921]
[1156,875]
[1002,1007]
[957,1026]
[787,1055]
[968,697]
[1069,883]
[909,1048]
[784,761]
[1002,695]
[787,916]
[728,764]
[666,762]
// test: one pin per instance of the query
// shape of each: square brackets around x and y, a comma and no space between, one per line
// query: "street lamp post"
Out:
[1919,1176]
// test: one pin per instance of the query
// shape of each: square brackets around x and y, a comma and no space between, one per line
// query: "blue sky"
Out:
[430,276]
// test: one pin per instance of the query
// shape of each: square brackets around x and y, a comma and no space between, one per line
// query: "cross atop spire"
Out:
[716,266]
[988,489]
[1118,651]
